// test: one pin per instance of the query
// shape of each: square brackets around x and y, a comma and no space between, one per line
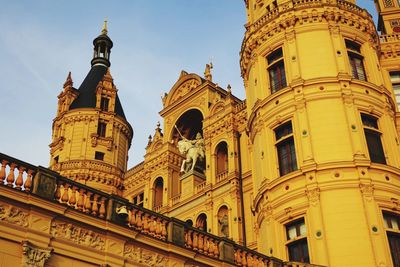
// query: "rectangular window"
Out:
[391,223]
[276,70]
[356,60]
[285,148]
[99,155]
[296,234]
[101,129]
[138,199]
[373,138]
[104,101]
[395,79]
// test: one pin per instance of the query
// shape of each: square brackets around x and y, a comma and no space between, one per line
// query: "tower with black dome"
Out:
[91,136]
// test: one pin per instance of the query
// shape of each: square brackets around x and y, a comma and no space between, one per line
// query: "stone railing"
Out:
[388,38]
[221,176]
[176,199]
[15,173]
[200,187]
[47,184]
[241,106]
[76,195]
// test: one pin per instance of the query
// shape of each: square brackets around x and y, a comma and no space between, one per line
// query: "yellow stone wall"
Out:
[336,189]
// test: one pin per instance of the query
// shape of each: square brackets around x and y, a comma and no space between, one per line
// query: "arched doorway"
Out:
[201,222]
[189,124]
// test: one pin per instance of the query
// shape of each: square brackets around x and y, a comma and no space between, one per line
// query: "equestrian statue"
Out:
[193,150]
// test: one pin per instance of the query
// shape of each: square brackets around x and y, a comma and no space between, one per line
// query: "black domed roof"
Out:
[87,91]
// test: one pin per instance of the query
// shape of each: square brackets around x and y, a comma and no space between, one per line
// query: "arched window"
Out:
[201,222]
[158,193]
[189,222]
[222,158]
[223,222]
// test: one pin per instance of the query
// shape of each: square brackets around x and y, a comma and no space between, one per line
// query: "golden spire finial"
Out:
[104,30]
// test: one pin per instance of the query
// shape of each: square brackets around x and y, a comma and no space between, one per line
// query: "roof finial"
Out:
[104,30]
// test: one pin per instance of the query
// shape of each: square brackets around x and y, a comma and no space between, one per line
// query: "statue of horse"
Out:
[192,154]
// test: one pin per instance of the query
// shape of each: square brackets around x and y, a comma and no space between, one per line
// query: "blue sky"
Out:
[41,41]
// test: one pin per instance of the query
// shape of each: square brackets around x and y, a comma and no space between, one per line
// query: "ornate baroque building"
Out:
[304,172]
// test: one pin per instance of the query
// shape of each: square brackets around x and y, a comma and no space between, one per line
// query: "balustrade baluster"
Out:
[250,260]
[206,244]
[102,211]
[201,242]
[146,223]
[28,181]
[20,180]
[164,230]
[244,261]
[139,222]
[158,228]
[195,241]
[189,242]
[216,249]
[57,194]
[237,257]
[11,177]
[151,225]
[81,202]
[132,221]
[95,207]
[65,198]
[88,203]
[72,199]
[3,171]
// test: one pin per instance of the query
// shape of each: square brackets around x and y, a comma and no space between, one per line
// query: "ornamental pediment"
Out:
[185,84]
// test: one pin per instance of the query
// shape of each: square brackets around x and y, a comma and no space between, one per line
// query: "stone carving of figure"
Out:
[193,150]
[224,224]
[207,72]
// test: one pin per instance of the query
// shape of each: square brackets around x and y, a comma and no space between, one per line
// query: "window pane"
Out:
[291,231]
[298,251]
[277,76]
[286,156]
[375,148]
[369,121]
[394,243]
[303,229]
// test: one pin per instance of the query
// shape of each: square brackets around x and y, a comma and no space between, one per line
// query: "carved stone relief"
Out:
[13,215]
[77,235]
[145,257]
[33,256]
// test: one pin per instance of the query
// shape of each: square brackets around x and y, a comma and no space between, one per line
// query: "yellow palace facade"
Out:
[304,172]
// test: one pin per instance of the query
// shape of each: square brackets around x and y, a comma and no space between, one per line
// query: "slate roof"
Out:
[87,91]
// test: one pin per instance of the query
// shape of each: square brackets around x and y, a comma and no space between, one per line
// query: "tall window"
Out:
[222,158]
[158,193]
[392,226]
[276,70]
[138,199]
[356,60]
[104,101]
[395,79]
[101,129]
[285,148]
[373,138]
[296,234]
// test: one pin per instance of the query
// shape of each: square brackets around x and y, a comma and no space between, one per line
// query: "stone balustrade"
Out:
[176,199]
[15,173]
[221,176]
[200,187]
[48,184]
[388,38]
[80,197]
